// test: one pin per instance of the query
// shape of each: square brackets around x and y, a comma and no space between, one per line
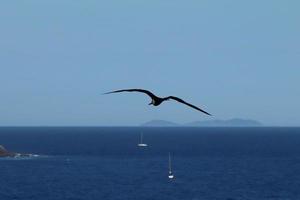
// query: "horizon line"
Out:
[135,126]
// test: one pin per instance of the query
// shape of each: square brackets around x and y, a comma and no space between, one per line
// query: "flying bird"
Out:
[158,100]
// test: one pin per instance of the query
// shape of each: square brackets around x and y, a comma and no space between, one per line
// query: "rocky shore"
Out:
[6,153]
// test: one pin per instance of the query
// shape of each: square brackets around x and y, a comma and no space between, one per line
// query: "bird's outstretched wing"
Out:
[134,90]
[181,101]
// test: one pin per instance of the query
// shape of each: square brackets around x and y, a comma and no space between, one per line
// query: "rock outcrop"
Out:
[5,153]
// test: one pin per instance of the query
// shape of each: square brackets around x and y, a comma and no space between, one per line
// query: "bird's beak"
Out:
[150,103]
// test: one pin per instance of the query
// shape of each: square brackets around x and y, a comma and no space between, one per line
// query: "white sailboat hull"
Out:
[142,145]
[171,176]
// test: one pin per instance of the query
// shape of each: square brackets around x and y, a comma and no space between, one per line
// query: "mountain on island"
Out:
[159,123]
[236,122]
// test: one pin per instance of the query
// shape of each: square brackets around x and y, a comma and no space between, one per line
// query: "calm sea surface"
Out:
[105,163]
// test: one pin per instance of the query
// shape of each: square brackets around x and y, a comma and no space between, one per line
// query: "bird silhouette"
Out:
[158,100]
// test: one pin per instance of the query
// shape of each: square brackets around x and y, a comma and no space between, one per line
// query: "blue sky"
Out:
[231,58]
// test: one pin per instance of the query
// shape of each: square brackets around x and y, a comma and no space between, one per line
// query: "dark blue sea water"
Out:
[105,163]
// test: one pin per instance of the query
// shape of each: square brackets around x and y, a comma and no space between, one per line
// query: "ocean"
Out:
[95,163]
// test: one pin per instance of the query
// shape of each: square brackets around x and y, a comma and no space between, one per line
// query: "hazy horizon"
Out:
[233,59]
[176,124]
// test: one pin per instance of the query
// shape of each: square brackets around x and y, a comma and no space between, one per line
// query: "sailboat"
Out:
[171,175]
[141,144]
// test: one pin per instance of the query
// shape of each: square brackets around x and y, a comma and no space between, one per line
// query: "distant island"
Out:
[236,122]
[6,153]
[159,123]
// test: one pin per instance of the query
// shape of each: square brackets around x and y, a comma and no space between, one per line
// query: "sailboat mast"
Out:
[171,176]
[141,137]
[170,169]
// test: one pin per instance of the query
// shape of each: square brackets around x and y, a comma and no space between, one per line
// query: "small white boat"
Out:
[141,144]
[171,175]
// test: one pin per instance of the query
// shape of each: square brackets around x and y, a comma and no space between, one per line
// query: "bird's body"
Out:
[156,101]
